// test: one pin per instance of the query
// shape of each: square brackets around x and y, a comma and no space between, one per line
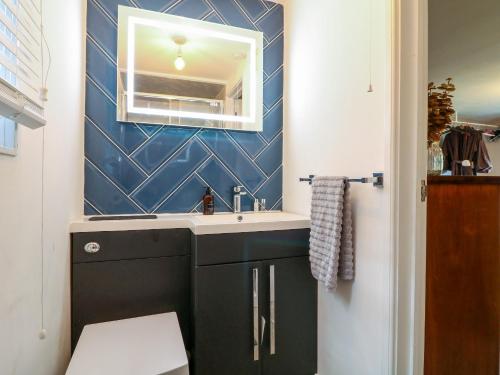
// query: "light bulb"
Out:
[179,63]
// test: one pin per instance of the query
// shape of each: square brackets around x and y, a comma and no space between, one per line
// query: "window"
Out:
[8,136]
[21,66]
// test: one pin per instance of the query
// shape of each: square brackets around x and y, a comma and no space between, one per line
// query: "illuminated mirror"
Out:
[179,71]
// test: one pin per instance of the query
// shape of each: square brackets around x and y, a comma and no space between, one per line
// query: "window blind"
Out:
[21,61]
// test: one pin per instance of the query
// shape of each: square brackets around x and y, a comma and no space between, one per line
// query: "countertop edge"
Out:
[301,222]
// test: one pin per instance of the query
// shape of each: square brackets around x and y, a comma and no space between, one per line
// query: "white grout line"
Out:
[266,143]
[215,191]
[208,15]
[153,173]
[270,176]
[101,89]
[146,141]
[244,153]
[228,170]
[101,48]
[264,14]
[134,3]
[277,202]
[216,12]
[114,184]
[170,7]
[273,107]
[117,146]
[179,186]
[275,73]
[91,205]
[275,38]
[104,11]
[163,201]
[267,147]
[250,19]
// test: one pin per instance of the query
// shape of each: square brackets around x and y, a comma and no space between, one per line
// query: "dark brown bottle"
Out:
[208,202]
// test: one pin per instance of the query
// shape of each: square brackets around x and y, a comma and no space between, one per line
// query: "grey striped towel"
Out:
[331,251]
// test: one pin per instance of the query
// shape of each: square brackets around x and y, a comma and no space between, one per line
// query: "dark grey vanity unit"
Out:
[247,302]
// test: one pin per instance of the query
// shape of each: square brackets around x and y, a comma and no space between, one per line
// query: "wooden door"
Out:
[462,280]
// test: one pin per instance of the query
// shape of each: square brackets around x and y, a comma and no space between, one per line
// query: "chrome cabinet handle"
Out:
[92,247]
[262,329]
[255,314]
[272,310]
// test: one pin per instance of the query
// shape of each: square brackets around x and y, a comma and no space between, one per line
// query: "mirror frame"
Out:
[129,17]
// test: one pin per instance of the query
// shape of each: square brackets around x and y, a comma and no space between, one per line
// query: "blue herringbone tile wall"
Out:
[140,168]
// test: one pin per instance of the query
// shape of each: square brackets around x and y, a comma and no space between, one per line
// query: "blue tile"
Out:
[103,113]
[273,122]
[149,129]
[89,210]
[231,13]
[104,195]
[186,198]
[233,151]
[272,189]
[217,176]
[220,143]
[160,147]
[190,8]
[254,9]
[171,175]
[273,56]
[250,142]
[101,69]
[111,6]
[101,28]
[215,19]
[110,160]
[272,23]
[273,89]
[156,5]
[271,157]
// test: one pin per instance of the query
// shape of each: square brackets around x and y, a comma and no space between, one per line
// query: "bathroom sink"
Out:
[246,222]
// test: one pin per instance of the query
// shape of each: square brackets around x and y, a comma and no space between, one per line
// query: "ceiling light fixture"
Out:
[179,62]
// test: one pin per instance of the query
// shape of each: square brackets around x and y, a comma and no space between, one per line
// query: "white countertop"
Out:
[200,224]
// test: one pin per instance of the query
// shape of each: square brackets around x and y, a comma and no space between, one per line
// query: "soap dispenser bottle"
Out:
[208,202]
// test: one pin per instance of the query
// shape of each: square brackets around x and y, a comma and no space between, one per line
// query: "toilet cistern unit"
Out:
[147,345]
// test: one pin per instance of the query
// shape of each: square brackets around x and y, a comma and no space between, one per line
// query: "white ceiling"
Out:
[464,43]
[206,57]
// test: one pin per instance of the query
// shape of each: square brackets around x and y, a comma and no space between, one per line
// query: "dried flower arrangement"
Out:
[440,107]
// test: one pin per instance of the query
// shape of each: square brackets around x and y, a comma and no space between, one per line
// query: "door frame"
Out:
[409,169]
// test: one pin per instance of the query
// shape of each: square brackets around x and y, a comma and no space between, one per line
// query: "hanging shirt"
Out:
[465,153]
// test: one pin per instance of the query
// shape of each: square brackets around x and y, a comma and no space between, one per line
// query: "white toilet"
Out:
[148,345]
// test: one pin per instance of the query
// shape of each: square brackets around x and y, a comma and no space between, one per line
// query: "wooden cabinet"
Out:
[463,276]
[254,316]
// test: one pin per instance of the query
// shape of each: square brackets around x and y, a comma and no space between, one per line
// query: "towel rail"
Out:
[377,179]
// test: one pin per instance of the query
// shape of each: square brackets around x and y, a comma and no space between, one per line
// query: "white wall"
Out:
[21,351]
[333,126]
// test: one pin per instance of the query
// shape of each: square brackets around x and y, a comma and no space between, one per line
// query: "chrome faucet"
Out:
[237,193]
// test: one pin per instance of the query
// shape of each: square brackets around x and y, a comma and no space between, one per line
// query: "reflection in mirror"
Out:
[464,67]
[184,72]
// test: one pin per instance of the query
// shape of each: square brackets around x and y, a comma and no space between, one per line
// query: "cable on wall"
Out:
[370,44]
[44,97]
[43,332]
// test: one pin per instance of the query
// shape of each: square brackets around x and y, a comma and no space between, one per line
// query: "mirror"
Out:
[184,72]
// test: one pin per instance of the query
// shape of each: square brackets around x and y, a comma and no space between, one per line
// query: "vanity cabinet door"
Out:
[227,319]
[290,303]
